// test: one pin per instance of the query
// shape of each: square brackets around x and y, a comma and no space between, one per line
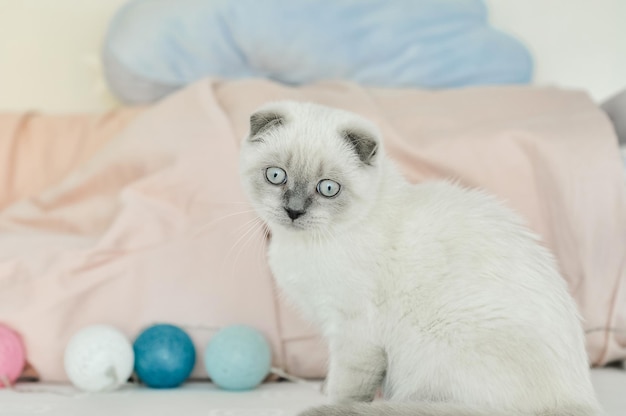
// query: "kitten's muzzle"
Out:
[294,213]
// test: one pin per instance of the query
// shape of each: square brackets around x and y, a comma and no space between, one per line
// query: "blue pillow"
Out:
[156,46]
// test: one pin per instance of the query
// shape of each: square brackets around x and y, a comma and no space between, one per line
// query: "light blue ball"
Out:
[238,358]
[164,356]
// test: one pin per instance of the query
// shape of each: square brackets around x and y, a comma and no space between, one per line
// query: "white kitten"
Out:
[437,293]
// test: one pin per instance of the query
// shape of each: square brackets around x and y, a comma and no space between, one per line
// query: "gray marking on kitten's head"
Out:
[363,143]
[262,121]
[297,197]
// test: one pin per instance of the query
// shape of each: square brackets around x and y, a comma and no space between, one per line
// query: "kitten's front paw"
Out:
[330,410]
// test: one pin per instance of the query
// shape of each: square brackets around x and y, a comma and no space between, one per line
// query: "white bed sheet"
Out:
[203,399]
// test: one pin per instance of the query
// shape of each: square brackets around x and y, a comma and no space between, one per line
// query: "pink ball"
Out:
[12,355]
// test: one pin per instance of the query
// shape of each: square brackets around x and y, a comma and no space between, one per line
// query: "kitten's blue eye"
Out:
[328,188]
[275,176]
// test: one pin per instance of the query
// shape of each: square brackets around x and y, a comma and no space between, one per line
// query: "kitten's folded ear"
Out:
[365,143]
[262,121]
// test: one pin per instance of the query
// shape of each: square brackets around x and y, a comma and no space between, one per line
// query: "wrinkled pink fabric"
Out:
[155,228]
[37,150]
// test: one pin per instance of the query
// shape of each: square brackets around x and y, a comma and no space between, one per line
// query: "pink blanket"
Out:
[154,227]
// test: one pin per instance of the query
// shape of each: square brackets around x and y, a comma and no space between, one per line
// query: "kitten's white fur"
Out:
[436,292]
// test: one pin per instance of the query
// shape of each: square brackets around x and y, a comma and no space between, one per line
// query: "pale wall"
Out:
[49,48]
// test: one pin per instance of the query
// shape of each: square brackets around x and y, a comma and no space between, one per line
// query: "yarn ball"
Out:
[12,355]
[164,356]
[98,358]
[238,358]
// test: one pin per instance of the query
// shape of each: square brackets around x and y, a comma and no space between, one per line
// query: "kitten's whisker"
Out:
[220,219]
[324,236]
[257,251]
[331,235]
[213,201]
[251,235]
[231,203]
[261,247]
[328,235]
[252,225]
[254,219]
[318,238]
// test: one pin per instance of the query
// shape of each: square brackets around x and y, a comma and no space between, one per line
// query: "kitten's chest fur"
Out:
[332,280]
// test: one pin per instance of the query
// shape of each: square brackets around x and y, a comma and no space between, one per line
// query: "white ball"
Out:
[99,358]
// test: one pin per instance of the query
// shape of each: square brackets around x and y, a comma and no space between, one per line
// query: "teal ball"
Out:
[164,356]
[238,358]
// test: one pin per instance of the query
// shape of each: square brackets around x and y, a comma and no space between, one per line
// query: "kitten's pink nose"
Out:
[293,213]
